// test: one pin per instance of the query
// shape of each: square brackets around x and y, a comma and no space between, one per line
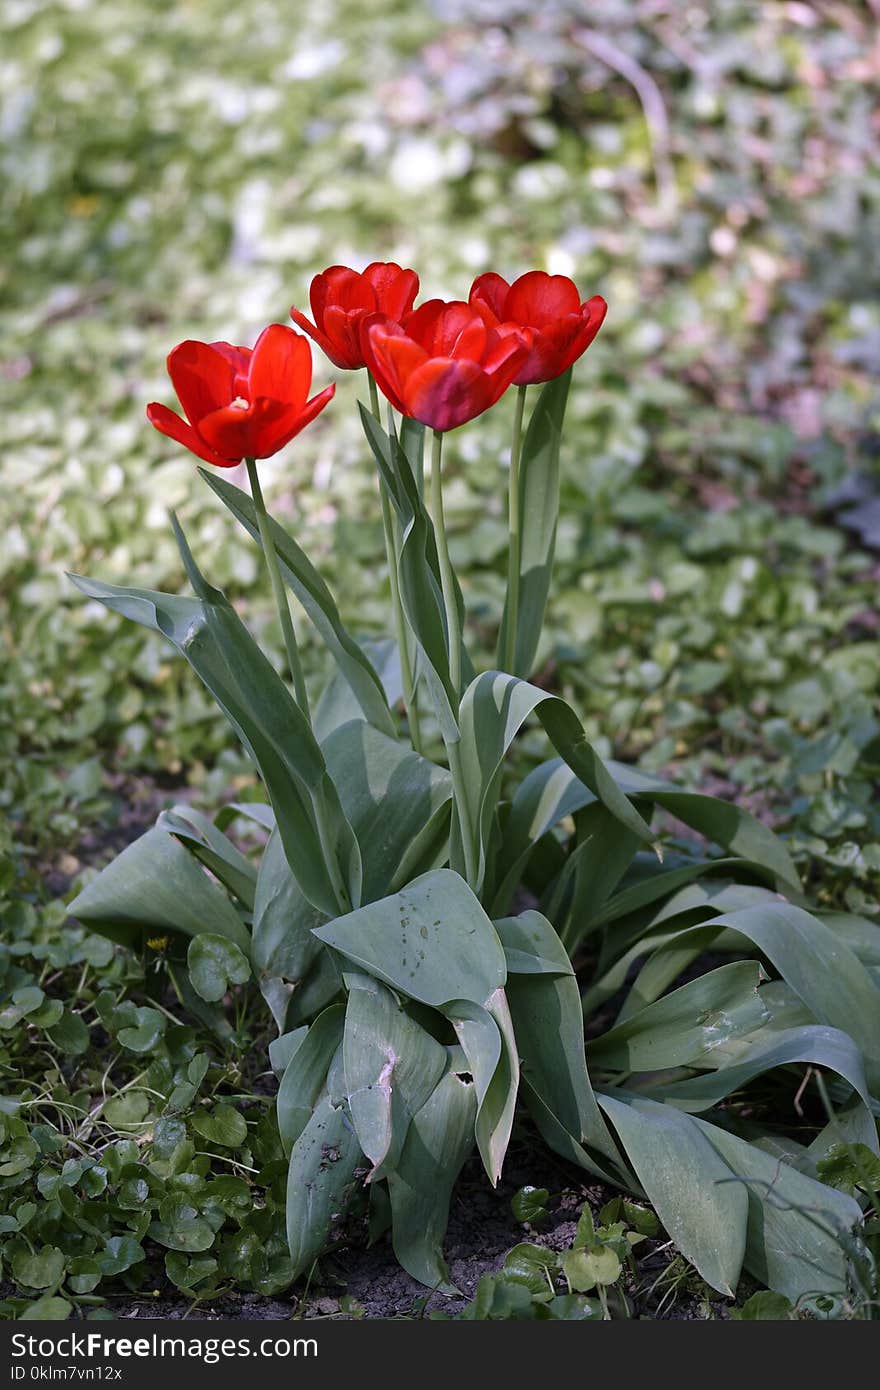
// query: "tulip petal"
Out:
[443,393]
[395,289]
[281,366]
[391,356]
[539,299]
[202,377]
[438,326]
[489,297]
[170,424]
[286,428]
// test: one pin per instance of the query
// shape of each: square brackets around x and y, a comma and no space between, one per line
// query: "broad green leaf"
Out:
[215,963]
[38,1269]
[684,1025]
[392,798]
[321,1177]
[156,886]
[432,941]
[437,1144]
[215,850]
[813,1044]
[46,1309]
[861,935]
[148,1026]
[70,1035]
[539,511]
[302,577]
[305,1075]
[282,941]
[223,1125]
[585,1268]
[688,1183]
[493,709]
[795,1224]
[338,704]
[389,794]
[207,631]
[191,1234]
[486,1037]
[283,1048]
[553,790]
[547,1020]
[817,964]
[391,1067]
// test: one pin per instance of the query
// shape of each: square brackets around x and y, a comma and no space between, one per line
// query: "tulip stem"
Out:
[507,656]
[278,590]
[401,632]
[447,576]
[453,628]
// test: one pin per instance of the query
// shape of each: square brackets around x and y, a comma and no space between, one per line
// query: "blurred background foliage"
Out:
[182,169]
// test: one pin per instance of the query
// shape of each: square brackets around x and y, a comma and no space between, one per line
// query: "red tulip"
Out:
[550,305]
[240,402]
[446,365]
[342,298]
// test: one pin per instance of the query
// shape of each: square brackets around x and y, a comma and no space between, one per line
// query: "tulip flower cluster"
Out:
[442,364]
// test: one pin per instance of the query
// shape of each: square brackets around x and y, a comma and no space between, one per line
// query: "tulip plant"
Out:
[431,934]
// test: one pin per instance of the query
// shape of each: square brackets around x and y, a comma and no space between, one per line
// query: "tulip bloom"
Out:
[562,328]
[240,402]
[446,365]
[341,299]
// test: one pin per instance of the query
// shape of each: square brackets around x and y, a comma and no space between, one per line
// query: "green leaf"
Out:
[188,1274]
[814,1044]
[493,709]
[553,791]
[585,1268]
[548,1023]
[258,705]
[305,1075]
[486,1037]
[148,1027]
[70,1035]
[40,1269]
[156,886]
[389,793]
[539,511]
[796,1226]
[338,705]
[214,963]
[685,1024]
[191,1234]
[432,940]
[765,1306]
[302,577]
[223,1125]
[320,1180]
[437,1144]
[848,1166]
[688,1182]
[529,1204]
[282,944]
[214,849]
[419,573]
[391,1067]
[817,965]
[50,1309]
